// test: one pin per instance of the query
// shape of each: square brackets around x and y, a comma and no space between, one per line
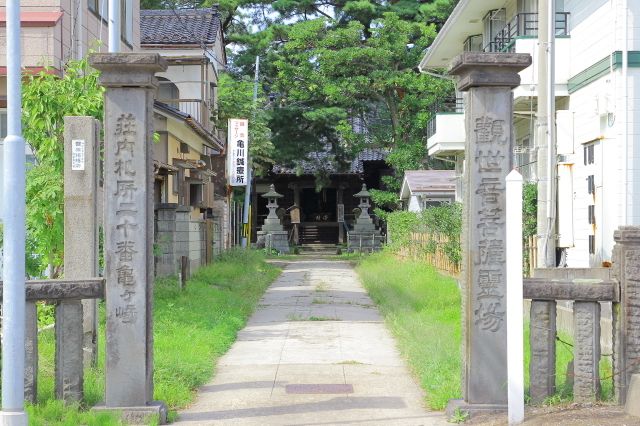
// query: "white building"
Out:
[596,98]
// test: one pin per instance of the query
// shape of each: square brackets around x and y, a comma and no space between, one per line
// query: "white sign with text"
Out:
[237,152]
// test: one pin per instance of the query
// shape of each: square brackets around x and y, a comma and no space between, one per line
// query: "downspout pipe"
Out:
[628,185]
[551,133]
[13,291]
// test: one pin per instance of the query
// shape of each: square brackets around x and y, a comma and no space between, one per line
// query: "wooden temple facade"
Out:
[325,215]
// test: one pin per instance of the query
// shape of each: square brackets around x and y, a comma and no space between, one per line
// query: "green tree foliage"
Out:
[47,99]
[341,75]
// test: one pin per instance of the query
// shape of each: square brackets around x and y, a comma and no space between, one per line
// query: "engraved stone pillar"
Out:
[586,352]
[542,339]
[488,78]
[69,357]
[31,353]
[128,215]
[626,314]
[81,152]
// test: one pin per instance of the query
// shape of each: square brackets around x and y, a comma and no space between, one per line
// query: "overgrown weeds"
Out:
[192,328]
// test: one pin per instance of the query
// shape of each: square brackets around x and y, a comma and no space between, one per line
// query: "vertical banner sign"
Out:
[238,152]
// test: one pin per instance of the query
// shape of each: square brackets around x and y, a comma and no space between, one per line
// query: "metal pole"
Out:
[515,322]
[544,139]
[13,295]
[114,26]
[247,192]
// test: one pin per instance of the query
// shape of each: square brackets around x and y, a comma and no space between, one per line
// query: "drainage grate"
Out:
[319,388]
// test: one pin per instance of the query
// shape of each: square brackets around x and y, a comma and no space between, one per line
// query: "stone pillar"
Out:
[69,356]
[586,352]
[31,353]
[626,314]
[542,340]
[167,262]
[81,170]
[340,202]
[128,215]
[488,78]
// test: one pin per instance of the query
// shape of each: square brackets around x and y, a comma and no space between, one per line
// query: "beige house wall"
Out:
[55,45]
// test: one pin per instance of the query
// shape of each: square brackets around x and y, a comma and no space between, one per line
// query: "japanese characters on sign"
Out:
[491,158]
[238,152]
[77,154]
[126,225]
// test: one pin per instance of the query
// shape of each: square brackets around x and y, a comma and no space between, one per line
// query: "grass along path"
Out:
[193,327]
[423,310]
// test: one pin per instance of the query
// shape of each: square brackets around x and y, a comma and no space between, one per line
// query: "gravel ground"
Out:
[566,415]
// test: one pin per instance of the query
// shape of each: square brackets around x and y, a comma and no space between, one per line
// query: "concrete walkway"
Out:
[315,352]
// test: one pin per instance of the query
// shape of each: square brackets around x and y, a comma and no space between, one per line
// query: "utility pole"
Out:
[13,292]
[247,192]
[545,137]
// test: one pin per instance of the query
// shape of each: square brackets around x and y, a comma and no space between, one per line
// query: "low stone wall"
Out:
[178,235]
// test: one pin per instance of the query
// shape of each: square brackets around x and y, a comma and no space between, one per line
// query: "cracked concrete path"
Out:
[315,352]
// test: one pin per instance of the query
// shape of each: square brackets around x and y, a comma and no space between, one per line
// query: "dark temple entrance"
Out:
[319,221]
[318,206]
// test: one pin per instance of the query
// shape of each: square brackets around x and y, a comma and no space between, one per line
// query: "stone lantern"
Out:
[364,205]
[365,236]
[272,231]
[272,222]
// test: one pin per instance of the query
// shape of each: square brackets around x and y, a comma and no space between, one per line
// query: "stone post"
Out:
[626,314]
[128,215]
[586,352]
[542,339]
[31,353]
[81,174]
[488,78]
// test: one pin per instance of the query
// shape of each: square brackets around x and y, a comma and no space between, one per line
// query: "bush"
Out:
[444,220]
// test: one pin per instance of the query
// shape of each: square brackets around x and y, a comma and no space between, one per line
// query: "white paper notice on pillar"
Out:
[77,154]
[237,152]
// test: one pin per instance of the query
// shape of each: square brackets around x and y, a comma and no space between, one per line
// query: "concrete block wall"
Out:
[197,253]
[177,235]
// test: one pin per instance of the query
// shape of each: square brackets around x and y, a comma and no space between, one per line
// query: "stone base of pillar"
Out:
[139,415]
[456,406]
[277,240]
[632,406]
[13,418]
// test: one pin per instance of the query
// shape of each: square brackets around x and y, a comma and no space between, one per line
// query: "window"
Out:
[177,178]
[589,157]
[493,22]
[126,20]
[591,187]
[93,5]
[3,124]
[592,214]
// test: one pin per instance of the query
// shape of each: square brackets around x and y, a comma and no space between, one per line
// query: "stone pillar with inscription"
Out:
[488,78]
[626,314]
[128,230]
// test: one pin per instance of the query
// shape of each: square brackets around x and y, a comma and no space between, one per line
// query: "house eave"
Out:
[464,21]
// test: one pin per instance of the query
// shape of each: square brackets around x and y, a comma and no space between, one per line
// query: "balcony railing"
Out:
[473,43]
[196,108]
[450,105]
[524,24]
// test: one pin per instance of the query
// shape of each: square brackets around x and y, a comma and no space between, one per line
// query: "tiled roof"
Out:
[323,160]
[181,26]
[357,165]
